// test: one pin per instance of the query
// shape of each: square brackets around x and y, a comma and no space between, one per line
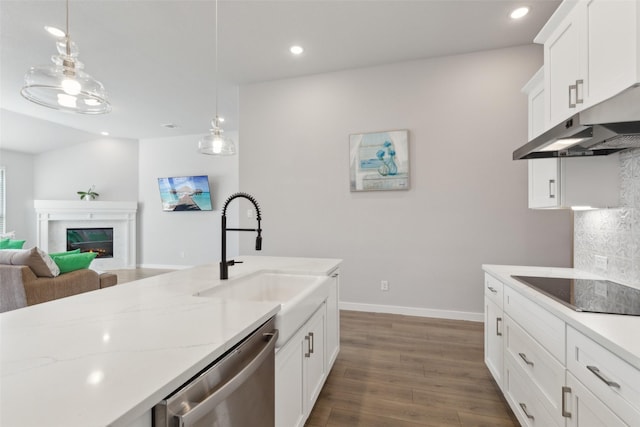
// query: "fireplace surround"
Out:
[54,217]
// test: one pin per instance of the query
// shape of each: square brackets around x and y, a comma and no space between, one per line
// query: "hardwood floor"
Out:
[400,371]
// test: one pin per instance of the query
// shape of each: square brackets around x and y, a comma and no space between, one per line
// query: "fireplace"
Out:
[98,240]
[55,217]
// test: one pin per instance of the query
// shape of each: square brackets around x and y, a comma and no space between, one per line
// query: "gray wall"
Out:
[180,239]
[468,200]
[614,233]
[109,163]
[21,216]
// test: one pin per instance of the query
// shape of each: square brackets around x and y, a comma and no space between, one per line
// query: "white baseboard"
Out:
[413,311]
[165,266]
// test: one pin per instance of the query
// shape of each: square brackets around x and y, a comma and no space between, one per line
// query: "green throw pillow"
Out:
[55,254]
[72,262]
[11,244]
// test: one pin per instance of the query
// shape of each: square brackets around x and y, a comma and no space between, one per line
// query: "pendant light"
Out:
[64,85]
[215,143]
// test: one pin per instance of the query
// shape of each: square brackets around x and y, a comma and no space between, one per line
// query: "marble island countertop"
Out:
[107,357]
[617,333]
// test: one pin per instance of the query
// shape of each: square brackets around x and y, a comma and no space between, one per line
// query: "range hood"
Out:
[605,128]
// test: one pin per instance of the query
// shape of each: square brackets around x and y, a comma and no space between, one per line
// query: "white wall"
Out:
[110,163]
[468,200]
[174,239]
[21,216]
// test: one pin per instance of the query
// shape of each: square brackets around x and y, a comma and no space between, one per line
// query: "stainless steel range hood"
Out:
[605,128]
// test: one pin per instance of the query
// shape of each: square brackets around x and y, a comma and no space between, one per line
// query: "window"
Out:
[2,200]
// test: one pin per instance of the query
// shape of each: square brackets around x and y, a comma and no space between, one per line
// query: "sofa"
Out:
[30,276]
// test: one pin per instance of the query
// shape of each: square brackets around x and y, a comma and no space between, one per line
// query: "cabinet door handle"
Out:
[311,343]
[308,340]
[498,320]
[604,379]
[572,87]
[335,275]
[552,188]
[492,289]
[565,413]
[579,85]
[524,409]
[524,357]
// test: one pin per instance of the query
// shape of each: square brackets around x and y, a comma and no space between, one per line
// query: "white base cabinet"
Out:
[493,327]
[300,371]
[554,375]
[303,362]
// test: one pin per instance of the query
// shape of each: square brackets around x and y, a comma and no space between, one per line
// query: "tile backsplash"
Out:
[613,233]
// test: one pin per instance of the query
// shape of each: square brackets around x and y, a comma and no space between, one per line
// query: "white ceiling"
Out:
[156,57]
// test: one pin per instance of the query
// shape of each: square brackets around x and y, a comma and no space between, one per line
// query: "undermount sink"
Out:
[299,296]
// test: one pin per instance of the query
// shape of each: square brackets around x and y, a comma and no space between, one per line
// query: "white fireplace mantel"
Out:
[55,216]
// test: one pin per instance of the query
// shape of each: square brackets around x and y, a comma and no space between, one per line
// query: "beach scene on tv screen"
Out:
[185,193]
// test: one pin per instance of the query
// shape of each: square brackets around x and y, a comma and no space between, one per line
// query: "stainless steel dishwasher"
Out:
[236,390]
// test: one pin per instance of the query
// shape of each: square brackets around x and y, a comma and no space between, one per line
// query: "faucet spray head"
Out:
[259,243]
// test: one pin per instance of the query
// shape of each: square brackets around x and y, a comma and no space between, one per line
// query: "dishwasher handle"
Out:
[189,418]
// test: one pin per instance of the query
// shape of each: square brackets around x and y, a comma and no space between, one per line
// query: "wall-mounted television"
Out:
[185,193]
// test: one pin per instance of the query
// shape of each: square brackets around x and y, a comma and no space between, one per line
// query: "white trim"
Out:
[413,311]
[165,266]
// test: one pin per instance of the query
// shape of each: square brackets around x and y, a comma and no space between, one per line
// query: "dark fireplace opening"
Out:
[98,240]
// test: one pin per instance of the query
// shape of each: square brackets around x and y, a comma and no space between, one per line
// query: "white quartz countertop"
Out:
[107,357]
[618,333]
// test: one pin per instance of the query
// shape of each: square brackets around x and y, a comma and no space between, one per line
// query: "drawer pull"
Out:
[524,357]
[492,289]
[498,320]
[604,379]
[307,338]
[524,409]
[565,413]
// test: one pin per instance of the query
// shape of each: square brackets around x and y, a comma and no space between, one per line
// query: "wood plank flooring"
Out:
[401,371]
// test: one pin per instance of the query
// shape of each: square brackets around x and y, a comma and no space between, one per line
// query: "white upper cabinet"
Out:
[564,68]
[534,90]
[590,54]
[572,182]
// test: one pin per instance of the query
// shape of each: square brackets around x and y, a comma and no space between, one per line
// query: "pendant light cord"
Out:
[216,66]
[67,38]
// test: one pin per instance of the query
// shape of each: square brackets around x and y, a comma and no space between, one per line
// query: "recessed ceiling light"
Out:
[519,12]
[104,133]
[296,50]
[55,32]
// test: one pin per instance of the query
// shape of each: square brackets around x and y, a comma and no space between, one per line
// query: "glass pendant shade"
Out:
[63,85]
[215,143]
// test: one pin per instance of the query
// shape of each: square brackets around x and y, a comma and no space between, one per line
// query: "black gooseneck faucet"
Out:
[224,264]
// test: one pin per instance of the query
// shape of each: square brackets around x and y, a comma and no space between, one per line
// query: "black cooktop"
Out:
[596,296]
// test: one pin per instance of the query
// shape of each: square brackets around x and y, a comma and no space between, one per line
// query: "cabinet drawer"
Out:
[524,400]
[541,368]
[543,326]
[583,405]
[493,289]
[609,378]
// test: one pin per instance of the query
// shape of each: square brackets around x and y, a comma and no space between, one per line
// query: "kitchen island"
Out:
[107,357]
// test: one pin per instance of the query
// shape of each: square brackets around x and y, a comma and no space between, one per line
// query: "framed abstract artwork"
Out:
[379,161]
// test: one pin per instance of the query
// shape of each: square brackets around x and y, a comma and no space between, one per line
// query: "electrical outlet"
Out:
[181,254]
[249,213]
[601,262]
[384,286]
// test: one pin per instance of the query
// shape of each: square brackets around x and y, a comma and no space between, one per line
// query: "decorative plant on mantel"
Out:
[90,194]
